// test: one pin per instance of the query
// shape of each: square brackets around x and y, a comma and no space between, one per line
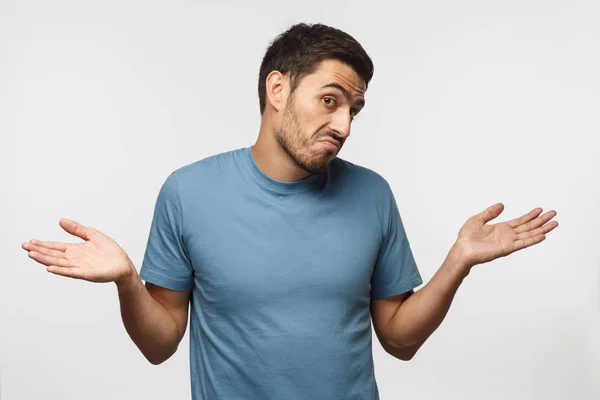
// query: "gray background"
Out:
[471,103]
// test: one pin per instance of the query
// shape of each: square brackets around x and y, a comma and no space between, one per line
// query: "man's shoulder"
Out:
[211,165]
[363,176]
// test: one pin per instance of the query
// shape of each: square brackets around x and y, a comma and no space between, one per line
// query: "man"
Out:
[286,251]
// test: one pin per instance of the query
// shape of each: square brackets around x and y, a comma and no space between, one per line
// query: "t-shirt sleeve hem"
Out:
[398,288]
[163,281]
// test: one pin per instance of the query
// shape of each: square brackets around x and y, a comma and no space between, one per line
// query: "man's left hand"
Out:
[480,243]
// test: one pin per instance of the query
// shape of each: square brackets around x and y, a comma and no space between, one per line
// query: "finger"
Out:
[523,243]
[43,250]
[529,226]
[49,260]
[49,245]
[490,213]
[75,228]
[542,230]
[514,223]
[68,272]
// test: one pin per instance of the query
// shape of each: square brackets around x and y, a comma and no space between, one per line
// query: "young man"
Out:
[285,250]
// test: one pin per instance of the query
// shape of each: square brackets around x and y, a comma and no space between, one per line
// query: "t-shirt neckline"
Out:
[273,184]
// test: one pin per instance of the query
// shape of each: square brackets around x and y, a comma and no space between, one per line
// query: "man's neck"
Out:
[273,161]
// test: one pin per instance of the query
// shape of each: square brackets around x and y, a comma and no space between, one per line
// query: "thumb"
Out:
[490,213]
[75,228]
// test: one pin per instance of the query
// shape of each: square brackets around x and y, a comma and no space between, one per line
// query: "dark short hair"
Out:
[301,48]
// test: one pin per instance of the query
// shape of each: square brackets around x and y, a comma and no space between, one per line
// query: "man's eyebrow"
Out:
[344,91]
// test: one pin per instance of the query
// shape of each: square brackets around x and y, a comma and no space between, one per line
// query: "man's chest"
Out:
[256,255]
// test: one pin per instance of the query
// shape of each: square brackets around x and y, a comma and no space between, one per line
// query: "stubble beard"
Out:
[296,146]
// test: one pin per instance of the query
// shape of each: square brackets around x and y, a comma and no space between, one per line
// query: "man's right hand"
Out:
[98,259]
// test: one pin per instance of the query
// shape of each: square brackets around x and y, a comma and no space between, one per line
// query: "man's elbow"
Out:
[407,356]
[157,359]
[402,353]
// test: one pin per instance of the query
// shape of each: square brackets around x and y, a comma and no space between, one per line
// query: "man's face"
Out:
[321,108]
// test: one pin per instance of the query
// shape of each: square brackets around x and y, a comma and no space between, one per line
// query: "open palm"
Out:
[482,243]
[97,259]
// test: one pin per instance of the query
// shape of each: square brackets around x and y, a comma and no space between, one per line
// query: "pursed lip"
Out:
[335,143]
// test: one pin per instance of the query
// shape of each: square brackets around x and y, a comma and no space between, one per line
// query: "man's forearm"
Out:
[148,323]
[422,312]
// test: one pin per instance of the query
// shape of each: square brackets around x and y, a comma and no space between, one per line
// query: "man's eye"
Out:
[329,100]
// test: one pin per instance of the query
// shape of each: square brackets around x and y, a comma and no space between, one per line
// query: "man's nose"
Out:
[341,125]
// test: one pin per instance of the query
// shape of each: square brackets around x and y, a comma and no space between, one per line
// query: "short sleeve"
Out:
[395,270]
[166,262]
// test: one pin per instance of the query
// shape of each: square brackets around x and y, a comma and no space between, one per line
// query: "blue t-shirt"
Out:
[282,275]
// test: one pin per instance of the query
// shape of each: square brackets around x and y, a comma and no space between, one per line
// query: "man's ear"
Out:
[277,89]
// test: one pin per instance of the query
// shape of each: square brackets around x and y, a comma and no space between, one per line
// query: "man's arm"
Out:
[423,312]
[382,311]
[405,321]
[155,318]
[417,316]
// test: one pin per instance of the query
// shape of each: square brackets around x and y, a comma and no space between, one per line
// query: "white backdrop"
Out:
[471,103]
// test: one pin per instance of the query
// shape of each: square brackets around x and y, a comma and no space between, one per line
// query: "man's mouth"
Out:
[331,143]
